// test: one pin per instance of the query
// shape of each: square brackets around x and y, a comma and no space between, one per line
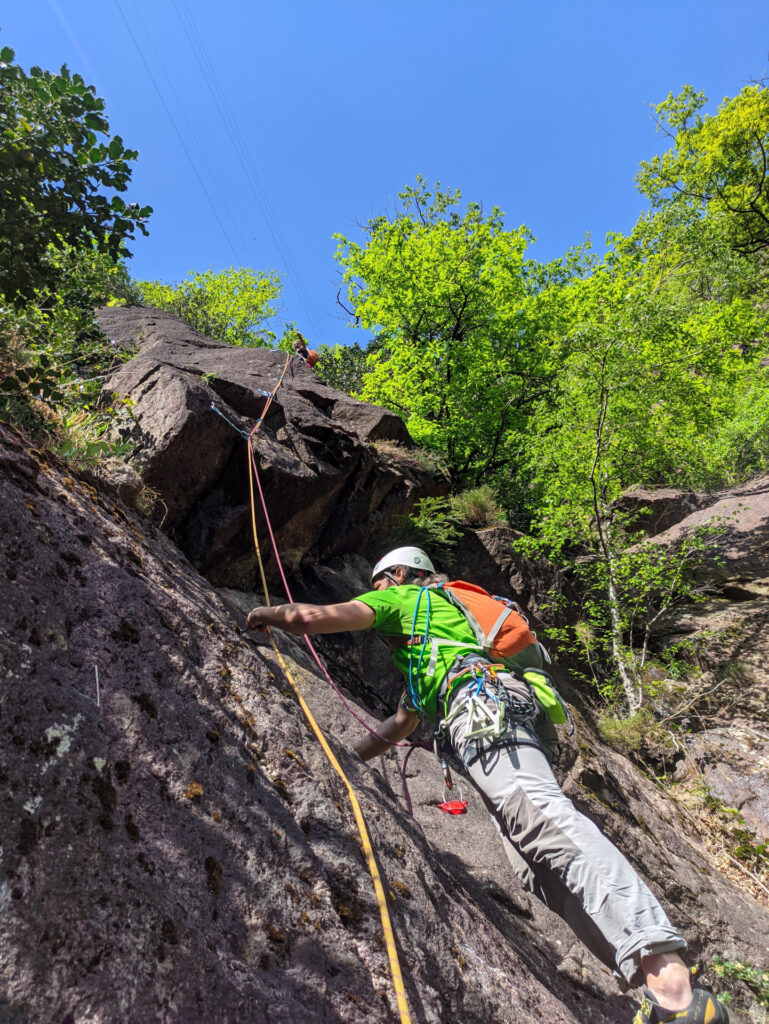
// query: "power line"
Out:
[252,175]
[176,129]
[221,198]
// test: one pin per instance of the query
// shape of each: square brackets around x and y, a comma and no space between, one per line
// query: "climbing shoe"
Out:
[703,1009]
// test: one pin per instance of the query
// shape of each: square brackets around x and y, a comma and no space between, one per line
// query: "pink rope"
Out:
[310,645]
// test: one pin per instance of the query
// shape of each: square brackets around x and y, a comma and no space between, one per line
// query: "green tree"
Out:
[661,378]
[739,448]
[346,366]
[53,354]
[445,289]
[647,378]
[229,305]
[58,166]
[717,166]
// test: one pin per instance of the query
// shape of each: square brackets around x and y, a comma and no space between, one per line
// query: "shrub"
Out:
[53,357]
[435,522]
[415,458]
[478,507]
[624,734]
[756,978]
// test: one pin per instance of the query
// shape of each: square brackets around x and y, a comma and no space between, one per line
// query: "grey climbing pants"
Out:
[559,854]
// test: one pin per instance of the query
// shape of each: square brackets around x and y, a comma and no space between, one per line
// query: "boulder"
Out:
[734,762]
[651,511]
[328,487]
[727,631]
[739,518]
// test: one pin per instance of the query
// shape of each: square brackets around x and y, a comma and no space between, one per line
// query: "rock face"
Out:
[740,563]
[727,637]
[174,845]
[652,511]
[316,448]
[734,761]
[729,629]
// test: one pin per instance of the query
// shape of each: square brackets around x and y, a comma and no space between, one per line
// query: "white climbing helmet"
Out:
[414,558]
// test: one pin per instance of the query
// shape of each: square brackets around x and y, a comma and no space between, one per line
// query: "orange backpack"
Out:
[500,627]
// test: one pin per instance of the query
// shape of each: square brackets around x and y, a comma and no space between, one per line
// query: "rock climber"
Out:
[309,355]
[557,853]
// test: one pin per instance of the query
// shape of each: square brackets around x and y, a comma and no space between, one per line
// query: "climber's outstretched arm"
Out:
[313,618]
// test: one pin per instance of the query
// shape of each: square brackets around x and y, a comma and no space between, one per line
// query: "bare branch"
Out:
[349,312]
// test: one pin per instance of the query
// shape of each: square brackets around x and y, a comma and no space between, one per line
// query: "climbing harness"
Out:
[392,952]
[491,715]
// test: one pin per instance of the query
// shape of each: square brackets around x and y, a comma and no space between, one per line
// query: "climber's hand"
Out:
[256,621]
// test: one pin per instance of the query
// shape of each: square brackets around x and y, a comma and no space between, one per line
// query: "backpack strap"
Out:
[491,636]
[472,622]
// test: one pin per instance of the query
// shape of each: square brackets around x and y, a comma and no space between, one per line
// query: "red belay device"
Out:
[454,806]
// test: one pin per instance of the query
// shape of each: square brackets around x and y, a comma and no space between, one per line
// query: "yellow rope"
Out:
[392,952]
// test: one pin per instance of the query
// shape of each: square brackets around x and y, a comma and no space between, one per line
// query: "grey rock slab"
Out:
[740,517]
[734,761]
[328,489]
[175,846]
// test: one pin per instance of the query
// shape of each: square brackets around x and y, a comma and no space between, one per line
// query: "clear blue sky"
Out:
[302,118]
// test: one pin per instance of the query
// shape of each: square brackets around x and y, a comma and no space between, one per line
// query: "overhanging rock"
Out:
[330,490]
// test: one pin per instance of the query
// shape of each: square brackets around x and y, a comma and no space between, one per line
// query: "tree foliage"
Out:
[346,366]
[445,289]
[58,166]
[53,354]
[717,166]
[229,305]
[64,231]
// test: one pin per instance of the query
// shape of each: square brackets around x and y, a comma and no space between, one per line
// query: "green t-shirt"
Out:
[394,610]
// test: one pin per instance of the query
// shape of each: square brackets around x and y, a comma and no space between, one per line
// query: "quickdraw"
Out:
[486,713]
